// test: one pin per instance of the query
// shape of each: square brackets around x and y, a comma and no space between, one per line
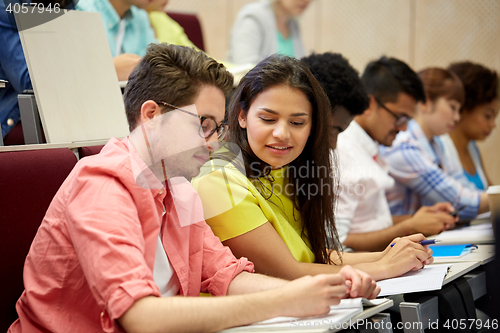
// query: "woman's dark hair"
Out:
[439,82]
[317,211]
[480,83]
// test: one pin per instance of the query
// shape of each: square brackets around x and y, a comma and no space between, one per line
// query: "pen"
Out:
[455,213]
[425,242]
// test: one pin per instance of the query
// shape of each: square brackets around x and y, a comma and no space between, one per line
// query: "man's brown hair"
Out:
[172,74]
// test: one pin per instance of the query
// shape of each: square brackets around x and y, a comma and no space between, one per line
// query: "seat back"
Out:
[89,151]
[28,182]
[192,27]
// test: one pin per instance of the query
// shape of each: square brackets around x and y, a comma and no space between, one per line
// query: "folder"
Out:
[451,251]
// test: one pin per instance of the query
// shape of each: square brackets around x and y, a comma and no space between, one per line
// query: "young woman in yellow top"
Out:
[270,195]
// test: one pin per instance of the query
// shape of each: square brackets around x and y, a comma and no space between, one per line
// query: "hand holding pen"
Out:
[425,242]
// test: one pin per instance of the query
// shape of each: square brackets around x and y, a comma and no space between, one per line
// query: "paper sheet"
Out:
[428,278]
[476,234]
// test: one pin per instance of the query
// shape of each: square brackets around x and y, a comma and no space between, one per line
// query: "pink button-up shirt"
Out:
[93,255]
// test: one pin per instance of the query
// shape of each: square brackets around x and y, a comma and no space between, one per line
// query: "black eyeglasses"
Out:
[401,119]
[208,126]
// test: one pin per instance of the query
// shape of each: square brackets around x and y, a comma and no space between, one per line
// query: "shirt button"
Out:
[161,191]
[10,122]
[102,314]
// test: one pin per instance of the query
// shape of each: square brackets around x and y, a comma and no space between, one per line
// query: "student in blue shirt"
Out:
[12,69]
[416,159]
[478,115]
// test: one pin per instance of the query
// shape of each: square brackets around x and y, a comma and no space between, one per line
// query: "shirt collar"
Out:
[358,134]
[143,175]
[429,146]
[107,8]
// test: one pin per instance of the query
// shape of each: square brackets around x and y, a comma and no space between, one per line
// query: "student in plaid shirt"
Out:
[416,158]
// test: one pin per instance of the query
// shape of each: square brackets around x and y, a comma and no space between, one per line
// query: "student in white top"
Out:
[478,115]
[363,219]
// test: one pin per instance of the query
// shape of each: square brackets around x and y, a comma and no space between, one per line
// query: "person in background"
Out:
[364,218]
[127,28]
[342,86]
[167,30]
[416,159]
[477,120]
[12,69]
[266,27]
[275,204]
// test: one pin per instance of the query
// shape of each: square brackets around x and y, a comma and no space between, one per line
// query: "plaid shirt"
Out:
[423,176]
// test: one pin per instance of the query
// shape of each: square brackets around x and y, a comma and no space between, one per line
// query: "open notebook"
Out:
[430,277]
[338,318]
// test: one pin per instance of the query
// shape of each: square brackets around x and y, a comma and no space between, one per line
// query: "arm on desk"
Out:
[427,220]
[271,256]
[124,64]
[307,296]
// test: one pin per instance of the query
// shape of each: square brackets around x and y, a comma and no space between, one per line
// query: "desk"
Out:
[427,311]
[367,313]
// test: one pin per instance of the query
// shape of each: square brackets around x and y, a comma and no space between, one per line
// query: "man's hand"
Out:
[360,283]
[431,220]
[312,295]
[124,64]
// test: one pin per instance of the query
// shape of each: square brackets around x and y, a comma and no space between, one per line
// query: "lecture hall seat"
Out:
[28,182]
[192,27]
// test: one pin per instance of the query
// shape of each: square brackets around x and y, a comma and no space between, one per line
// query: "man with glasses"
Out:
[363,217]
[125,231]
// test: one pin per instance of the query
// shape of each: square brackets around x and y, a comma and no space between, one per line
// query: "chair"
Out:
[192,27]
[89,151]
[28,182]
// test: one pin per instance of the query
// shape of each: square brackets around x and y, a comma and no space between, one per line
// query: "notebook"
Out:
[451,251]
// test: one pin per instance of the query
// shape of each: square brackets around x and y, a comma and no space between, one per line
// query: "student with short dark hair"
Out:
[477,119]
[125,232]
[342,85]
[364,219]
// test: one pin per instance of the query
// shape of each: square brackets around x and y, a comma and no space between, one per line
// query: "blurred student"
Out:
[127,28]
[270,197]
[265,27]
[477,120]
[166,29]
[125,232]
[364,218]
[416,159]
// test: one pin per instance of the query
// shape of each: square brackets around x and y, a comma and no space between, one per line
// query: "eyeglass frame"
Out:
[401,120]
[224,126]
